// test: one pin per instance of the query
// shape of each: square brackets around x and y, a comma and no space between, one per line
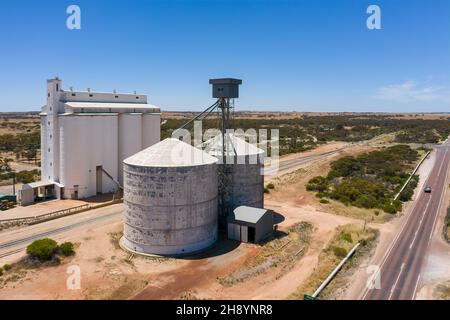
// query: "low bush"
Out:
[42,249]
[324,201]
[389,208]
[7,267]
[67,248]
[270,186]
[1,272]
[347,237]
[340,252]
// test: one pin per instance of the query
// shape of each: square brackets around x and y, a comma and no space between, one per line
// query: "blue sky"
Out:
[310,55]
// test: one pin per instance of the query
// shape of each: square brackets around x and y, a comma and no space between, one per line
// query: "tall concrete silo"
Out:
[241,178]
[170,199]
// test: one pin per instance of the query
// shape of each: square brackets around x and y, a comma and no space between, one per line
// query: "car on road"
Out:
[427,189]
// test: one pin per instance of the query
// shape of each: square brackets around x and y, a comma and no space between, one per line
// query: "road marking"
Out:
[394,241]
[440,200]
[58,230]
[415,287]
[420,223]
[396,281]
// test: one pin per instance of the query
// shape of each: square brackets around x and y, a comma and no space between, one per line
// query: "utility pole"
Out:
[14,183]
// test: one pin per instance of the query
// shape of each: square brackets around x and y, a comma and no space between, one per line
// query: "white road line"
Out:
[415,287]
[440,200]
[396,281]
[394,241]
[420,223]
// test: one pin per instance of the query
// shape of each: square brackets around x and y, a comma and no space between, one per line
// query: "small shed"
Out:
[248,224]
[40,190]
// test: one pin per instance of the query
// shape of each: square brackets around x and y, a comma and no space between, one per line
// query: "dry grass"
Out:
[282,252]
[369,215]
[345,238]
[442,291]
[115,238]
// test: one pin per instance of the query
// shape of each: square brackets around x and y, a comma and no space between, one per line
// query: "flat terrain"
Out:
[108,272]
[231,270]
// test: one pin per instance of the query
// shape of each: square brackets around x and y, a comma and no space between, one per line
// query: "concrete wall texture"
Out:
[170,210]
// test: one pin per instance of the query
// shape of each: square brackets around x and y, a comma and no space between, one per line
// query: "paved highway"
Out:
[13,242]
[401,265]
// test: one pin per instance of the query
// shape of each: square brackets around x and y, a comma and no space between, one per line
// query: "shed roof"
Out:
[37,184]
[248,214]
[104,107]
[170,153]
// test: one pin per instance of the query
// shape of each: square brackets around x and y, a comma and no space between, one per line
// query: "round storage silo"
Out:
[241,177]
[170,199]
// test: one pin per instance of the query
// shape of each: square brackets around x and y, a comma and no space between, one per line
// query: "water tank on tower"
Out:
[170,199]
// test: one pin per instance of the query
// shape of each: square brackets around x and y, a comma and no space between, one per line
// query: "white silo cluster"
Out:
[170,199]
[174,193]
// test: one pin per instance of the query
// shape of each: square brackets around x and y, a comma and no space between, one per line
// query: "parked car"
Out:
[427,189]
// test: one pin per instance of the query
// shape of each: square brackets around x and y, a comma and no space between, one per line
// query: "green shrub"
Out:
[67,248]
[389,208]
[270,186]
[7,267]
[347,237]
[42,249]
[1,272]
[266,190]
[317,184]
[324,201]
[340,252]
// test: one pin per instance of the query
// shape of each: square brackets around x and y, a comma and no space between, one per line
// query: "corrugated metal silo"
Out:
[170,199]
[241,178]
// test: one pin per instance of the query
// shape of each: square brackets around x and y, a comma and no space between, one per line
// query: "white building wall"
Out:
[52,132]
[151,129]
[73,144]
[130,138]
[44,162]
[88,141]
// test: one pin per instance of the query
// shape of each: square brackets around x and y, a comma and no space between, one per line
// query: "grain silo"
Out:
[170,199]
[241,178]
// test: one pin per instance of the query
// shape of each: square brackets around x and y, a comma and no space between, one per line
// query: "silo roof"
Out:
[104,107]
[235,146]
[170,153]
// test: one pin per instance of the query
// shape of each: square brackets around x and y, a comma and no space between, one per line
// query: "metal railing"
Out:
[48,216]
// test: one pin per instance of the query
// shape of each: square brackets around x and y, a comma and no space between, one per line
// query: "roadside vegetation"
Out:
[281,252]
[19,143]
[447,226]
[442,291]
[307,132]
[23,176]
[346,237]
[22,145]
[40,253]
[370,180]
[47,249]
